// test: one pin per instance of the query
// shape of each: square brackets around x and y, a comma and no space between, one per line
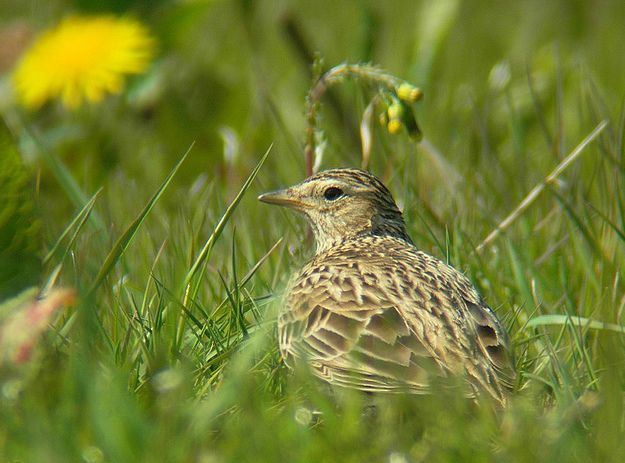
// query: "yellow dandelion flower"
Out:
[82,59]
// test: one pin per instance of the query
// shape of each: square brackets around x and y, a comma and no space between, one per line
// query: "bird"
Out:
[370,311]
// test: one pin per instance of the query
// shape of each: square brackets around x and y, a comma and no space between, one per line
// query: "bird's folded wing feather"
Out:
[349,331]
[373,331]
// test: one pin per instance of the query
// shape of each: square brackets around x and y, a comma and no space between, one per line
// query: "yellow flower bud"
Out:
[394,126]
[395,111]
[409,93]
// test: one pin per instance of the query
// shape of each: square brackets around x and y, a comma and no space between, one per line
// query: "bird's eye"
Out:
[332,193]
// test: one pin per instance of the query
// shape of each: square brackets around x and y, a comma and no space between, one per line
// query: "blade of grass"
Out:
[210,242]
[126,238]
[249,275]
[77,222]
[574,320]
[533,194]
[240,287]
[620,233]
[581,350]
[208,327]
[519,269]
[593,246]
[63,176]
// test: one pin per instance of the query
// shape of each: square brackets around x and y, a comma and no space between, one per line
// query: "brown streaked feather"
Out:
[378,330]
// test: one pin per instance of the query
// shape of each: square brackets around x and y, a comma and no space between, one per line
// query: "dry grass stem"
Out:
[531,197]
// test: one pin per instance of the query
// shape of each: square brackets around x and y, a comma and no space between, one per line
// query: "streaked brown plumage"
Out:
[372,312]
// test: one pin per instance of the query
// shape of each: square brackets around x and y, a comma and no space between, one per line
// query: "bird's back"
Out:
[376,314]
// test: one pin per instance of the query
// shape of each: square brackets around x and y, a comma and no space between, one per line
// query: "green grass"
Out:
[170,353]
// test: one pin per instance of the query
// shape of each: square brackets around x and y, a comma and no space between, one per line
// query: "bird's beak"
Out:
[282,198]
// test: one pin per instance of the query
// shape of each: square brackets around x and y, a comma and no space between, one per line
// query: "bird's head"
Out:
[341,204]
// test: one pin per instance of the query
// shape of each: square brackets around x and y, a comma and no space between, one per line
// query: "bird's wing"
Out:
[472,331]
[345,325]
[493,342]
[390,324]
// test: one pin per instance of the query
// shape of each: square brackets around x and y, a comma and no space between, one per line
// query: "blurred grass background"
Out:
[169,353]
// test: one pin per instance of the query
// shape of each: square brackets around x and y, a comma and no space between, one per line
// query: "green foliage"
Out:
[20,226]
[170,352]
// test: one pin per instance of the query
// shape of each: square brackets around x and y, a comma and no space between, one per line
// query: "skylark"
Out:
[370,311]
